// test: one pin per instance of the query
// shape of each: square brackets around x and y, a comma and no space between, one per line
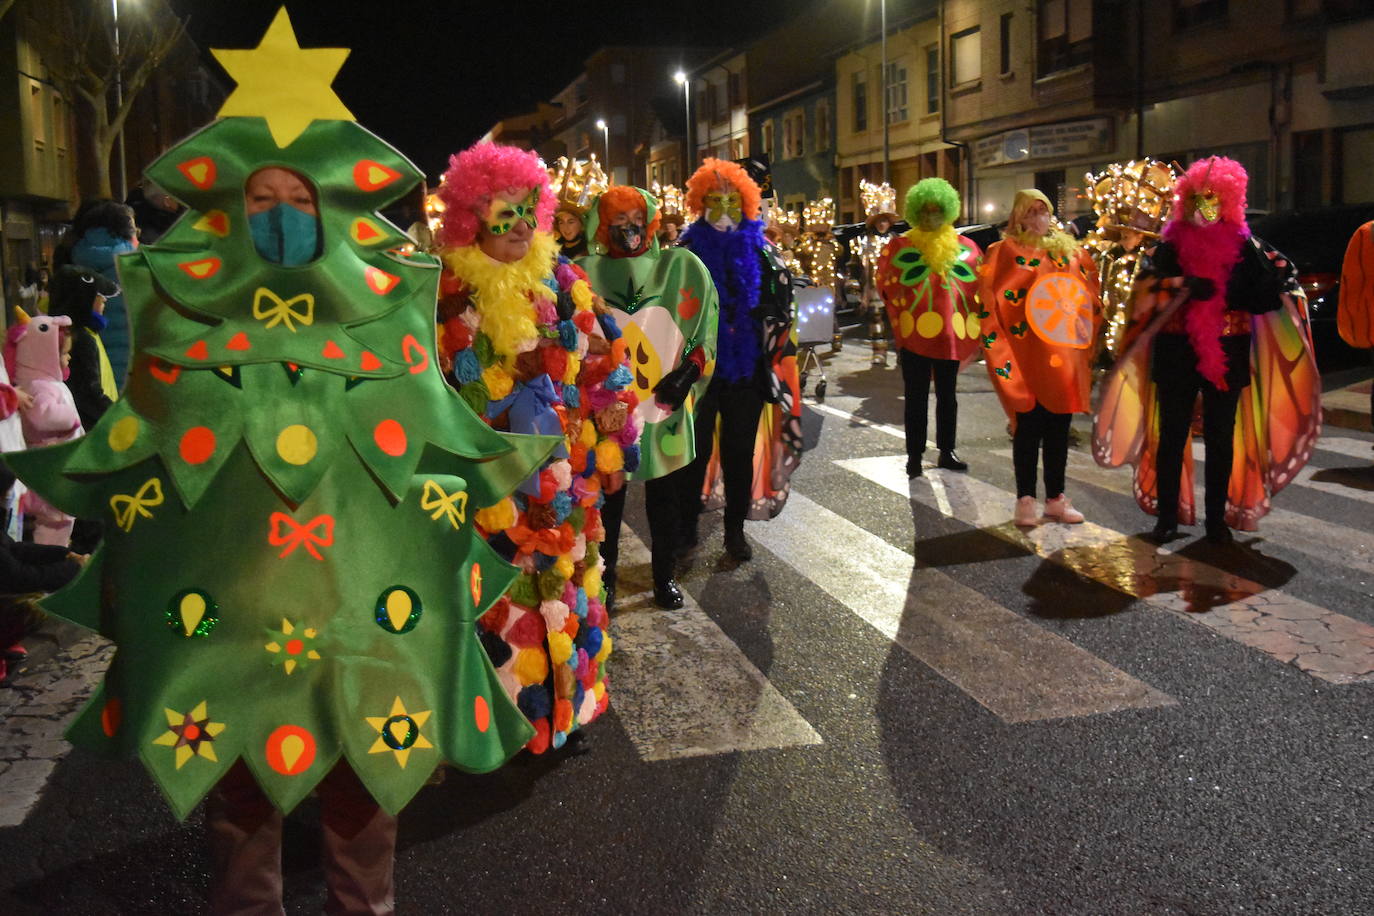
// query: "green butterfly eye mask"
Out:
[503,214]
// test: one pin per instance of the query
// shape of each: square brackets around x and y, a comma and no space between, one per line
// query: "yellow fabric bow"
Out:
[451,505]
[127,509]
[279,312]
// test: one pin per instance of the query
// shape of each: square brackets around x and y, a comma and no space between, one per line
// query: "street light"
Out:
[686,85]
[605,135]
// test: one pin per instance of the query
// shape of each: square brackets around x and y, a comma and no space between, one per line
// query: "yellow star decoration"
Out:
[283,82]
[191,733]
[399,732]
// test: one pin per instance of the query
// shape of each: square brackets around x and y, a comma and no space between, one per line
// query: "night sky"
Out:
[431,78]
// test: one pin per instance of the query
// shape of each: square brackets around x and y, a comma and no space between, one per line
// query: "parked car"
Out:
[1315,240]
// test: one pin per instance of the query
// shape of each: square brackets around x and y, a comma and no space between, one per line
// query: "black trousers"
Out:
[1040,430]
[1177,385]
[739,406]
[663,505]
[916,373]
[1176,400]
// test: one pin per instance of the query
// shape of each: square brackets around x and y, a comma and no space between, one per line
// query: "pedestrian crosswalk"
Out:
[1009,663]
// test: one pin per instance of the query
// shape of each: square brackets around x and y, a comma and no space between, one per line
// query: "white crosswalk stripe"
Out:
[1323,643]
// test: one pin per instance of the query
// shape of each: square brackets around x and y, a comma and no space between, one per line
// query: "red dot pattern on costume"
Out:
[475,582]
[369,362]
[294,646]
[289,757]
[191,732]
[390,437]
[201,269]
[379,281]
[164,372]
[409,348]
[332,351]
[238,342]
[197,445]
[111,716]
[198,350]
[481,713]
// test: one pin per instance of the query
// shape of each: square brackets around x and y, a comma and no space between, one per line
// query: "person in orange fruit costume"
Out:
[927,278]
[1039,291]
[1355,314]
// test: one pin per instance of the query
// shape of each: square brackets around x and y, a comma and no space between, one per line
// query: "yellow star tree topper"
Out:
[288,104]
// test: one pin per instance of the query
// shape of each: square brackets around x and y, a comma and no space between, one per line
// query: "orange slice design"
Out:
[1060,310]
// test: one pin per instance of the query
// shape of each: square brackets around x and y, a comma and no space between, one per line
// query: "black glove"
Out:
[1200,288]
[672,389]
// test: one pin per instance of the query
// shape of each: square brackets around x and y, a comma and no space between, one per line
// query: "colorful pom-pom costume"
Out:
[928,280]
[664,303]
[533,351]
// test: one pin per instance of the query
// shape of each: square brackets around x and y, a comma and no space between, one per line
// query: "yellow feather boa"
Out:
[504,294]
[1058,243]
[939,248]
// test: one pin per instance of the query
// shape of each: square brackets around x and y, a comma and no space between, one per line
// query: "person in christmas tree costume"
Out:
[756,373]
[1039,288]
[664,303]
[534,351]
[284,465]
[928,280]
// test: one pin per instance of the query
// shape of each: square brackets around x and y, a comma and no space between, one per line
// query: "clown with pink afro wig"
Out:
[532,350]
[481,173]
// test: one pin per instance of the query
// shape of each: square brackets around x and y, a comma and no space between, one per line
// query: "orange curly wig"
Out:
[621,199]
[715,172]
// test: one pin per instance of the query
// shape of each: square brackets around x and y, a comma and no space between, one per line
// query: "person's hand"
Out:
[80,558]
[1200,288]
[25,399]
[674,387]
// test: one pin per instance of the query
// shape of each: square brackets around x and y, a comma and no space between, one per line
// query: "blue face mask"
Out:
[285,235]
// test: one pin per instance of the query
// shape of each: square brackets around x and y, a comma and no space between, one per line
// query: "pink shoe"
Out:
[1061,510]
[1027,514]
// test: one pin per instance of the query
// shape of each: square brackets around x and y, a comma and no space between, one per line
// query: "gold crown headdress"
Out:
[577,183]
[671,200]
[819,213]
[877,199]
[784,220]
[1122,190]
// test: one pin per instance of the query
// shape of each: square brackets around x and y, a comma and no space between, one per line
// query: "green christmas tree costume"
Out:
[290,571]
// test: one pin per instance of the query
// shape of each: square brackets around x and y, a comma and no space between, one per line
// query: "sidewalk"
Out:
[1348,407]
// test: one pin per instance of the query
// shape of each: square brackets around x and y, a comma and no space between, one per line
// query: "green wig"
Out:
[931,191]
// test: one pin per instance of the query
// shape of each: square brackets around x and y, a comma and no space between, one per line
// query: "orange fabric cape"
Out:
[933,315]
[1042,320]
[1355,315]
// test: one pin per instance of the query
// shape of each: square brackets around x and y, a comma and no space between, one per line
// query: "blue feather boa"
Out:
[733,258]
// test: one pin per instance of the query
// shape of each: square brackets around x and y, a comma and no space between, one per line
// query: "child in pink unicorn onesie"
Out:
[37,353]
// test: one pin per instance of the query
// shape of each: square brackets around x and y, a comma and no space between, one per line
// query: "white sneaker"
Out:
[1027,514]
[1061,510]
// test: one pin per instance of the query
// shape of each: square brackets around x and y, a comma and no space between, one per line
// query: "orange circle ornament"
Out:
[1060,310]
[290,750]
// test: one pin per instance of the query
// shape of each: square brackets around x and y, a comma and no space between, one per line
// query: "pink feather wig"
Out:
[1210,251]
[478,174]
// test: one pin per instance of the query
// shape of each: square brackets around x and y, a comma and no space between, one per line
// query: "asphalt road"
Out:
[900,705]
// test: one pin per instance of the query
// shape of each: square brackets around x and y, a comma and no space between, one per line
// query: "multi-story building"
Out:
[720,110]
[908,95]
[1045,91]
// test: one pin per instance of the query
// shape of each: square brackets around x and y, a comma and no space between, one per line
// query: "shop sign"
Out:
[1088,138]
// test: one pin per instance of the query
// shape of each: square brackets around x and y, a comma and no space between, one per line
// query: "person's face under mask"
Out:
[724,209]
[509,226]
[627,233]
[283,217]
[930,218]
[1037,219]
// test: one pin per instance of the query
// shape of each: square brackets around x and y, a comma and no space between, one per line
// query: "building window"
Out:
[38,116]
[823,124]
[860,84]
[967,55]
[932,79]
[896,93]
[766,139]
[794,134]
[1005,37]
[1188,13]
[734,90]
[1066,34]
[1356,165]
